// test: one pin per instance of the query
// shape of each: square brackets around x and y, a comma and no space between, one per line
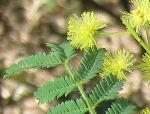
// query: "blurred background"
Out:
[27,25]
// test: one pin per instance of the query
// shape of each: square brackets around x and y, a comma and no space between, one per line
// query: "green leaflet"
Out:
[51,4]
[121,106]
[70,107]
[55,89]
[56,57]
[69,51]
[34,61]
[91,64]
[106,89]
[66,48]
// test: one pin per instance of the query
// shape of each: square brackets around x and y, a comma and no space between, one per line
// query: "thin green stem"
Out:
[135,36]
[84,96]
[112,33]
[133,33]
[147,35]
[94,112]
[69,70]
[140,41]
[80,88]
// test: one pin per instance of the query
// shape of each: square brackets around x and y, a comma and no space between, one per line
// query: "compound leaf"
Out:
[51,90]
[91,64]
[107,89]
[121,107]
[58,55]
[70,107]
[34,61]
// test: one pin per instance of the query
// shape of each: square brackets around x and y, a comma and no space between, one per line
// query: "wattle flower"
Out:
[81,30]
[145,66]
[117,64]
[139,16]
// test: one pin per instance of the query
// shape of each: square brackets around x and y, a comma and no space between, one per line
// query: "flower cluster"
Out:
[145,111]
[117,64]
[82,30]
[145,66]
[139,16]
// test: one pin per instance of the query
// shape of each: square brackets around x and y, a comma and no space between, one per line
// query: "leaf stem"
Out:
[69,70]
[135,36]
[140,41]
[84,96]
[147,35]
[80,88]
[112,33]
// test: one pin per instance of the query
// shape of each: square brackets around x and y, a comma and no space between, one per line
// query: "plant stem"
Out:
[140,41]
[112,33]
[69,70]
[84,96]
[136,37]
[147,35]
[80,88]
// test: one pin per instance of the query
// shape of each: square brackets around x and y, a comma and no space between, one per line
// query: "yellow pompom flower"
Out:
[117,64]
[145,66]
[139,16]
[82,30]
[145,111]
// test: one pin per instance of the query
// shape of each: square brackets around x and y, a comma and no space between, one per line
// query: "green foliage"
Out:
[90,65]
[81,35]
[102,92]
[34,61]
[68,50]
[65,85]
[56,57]
[121,107]
[51,90]
[70,107]
[51,4]
[106,89]
[47,5]
[65,49]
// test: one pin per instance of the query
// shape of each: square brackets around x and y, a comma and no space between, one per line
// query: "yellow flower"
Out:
[139,16]
[145,111]
[81,30]
[145,66]
[117,64]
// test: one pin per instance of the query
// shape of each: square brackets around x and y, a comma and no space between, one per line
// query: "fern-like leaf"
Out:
[55,89]
[34,61]
[58,55]
[121,107]
[107,89]
[68,50]
[91,64]
[70,107]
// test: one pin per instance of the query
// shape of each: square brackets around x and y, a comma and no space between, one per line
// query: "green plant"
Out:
[96,61]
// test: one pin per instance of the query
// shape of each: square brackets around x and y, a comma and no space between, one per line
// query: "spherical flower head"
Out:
[139,16]
[117,64]
[145,111]
[82,30]
[145,66]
